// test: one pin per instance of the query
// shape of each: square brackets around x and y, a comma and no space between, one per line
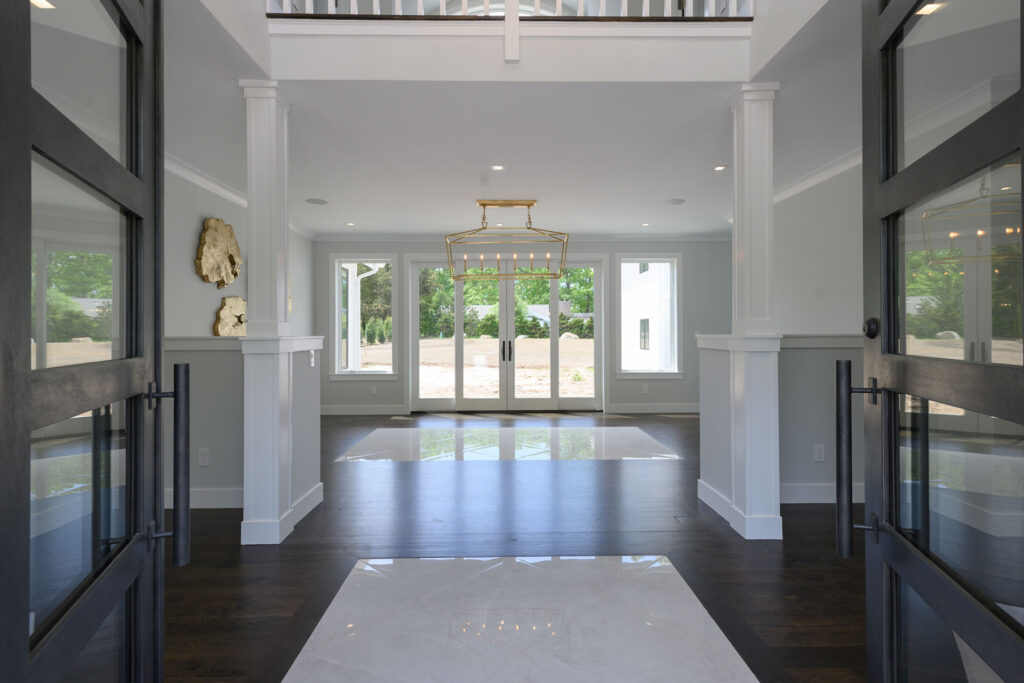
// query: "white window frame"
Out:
[675,260]
[396,328]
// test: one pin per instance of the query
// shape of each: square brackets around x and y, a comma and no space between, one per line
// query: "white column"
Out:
[271,506]
[740,371]
[267,265]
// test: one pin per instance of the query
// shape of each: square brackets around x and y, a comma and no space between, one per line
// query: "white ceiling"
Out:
[413,158]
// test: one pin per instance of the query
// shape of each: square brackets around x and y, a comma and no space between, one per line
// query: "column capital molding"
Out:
[261,89]
[749,92]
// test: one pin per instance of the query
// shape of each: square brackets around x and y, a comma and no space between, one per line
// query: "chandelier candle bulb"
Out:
[549,260]
[531,261]
[481,261]
[515,261]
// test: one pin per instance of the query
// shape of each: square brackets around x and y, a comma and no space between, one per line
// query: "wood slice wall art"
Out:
[230,320]
[218,259]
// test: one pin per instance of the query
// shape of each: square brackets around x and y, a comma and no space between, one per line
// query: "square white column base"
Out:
[272,532]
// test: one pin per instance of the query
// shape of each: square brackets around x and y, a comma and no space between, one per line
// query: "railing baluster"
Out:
[332,6]
[309,6]
[536,8]
[711,8]
[667,11]
[688,9]
[646,10]
[558,8]
[487,8]
[733,11]
[624,8]
[376,7]
[580,8]
[396,7]
[286,7]
[419,7]
[442,8]
[601,10]
[465,7]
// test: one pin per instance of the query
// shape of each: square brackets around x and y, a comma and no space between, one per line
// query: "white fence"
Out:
[629,9]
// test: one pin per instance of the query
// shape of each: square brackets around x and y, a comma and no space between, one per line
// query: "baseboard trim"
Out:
[824,492]
[363,410]
[272,532]
[652,407]
[750,527]
[208,498]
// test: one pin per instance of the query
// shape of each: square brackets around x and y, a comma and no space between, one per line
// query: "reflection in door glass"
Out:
[958,61]
[78,498]
[960,270]
[928,650]
[532,334]
[78,271]
[961,496]
[481,376]
[437,333]
[576,333]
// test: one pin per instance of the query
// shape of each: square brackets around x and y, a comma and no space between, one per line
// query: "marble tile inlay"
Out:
[508,443]
[517,619]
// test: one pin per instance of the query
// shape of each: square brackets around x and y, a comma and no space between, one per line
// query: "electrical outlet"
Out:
[204,457]
[644,389]
[312,358]
[819,452]
[373,390]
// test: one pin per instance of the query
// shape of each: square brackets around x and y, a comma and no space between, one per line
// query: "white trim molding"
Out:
[843,163]
[271,531]
[362,409]
[750,527]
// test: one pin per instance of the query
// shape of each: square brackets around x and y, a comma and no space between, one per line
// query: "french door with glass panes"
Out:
[505,345]
[944,469]
[81,492]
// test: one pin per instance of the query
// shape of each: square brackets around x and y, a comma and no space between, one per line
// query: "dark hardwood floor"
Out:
[792,609]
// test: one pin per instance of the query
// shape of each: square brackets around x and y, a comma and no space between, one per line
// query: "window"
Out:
[363,324]
[647,302]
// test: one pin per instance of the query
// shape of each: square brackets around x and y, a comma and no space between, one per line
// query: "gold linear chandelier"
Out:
[480,249]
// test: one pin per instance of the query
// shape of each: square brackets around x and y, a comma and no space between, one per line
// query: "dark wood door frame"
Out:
[29,124]
[987,389]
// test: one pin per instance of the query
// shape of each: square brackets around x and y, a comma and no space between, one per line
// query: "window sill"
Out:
[650,375]
[364,376]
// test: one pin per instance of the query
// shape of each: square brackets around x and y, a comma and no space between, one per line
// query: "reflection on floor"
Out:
[508,443]
[516,619]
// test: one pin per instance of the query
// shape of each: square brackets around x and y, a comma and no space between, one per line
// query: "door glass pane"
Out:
[961,496]
[78,503]
[80,65]
[532,334]
[928,650]
[481,372]
[956,62]
[576,333]
[437,333]
[105,658]
[960,270]
[78,271]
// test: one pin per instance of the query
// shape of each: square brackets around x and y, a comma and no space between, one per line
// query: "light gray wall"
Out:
[216,418]
[190,305]
[807,416]
[706,299]
[305,472]
[818,263]
[300,272]
[716,422]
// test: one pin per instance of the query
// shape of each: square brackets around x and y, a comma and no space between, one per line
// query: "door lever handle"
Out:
[502,351]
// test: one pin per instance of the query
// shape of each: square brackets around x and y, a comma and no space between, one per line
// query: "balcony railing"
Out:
[666,10]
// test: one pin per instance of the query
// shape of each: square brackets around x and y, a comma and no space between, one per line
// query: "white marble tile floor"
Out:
[562,619]
[507,443]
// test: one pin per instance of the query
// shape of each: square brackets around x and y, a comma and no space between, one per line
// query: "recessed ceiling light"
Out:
[931,8]
[1006,188]
[316,200]
[41,4]
[499,225]
[351,224]
[497,167]
[719,169]
[675,202]
[645,225]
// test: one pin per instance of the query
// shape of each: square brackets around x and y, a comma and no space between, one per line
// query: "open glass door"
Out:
[944,477]
[80,210]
